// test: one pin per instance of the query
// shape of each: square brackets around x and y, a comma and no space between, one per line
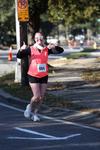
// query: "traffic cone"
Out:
[10,54]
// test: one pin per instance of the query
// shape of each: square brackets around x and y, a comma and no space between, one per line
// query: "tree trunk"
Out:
[34,24]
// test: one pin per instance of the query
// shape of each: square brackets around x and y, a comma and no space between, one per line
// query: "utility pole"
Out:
[22,18]
[18,62]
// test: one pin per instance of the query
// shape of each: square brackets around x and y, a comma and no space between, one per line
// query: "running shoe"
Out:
[27,112]
[35,118]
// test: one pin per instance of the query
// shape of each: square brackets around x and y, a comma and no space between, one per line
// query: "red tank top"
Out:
[38,63]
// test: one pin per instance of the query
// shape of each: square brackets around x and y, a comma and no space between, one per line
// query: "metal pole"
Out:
[18,62]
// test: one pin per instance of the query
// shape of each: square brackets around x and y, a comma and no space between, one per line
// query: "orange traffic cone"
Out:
[10,54]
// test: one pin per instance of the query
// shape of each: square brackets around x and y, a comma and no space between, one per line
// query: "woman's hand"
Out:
[51,46]
[23,46]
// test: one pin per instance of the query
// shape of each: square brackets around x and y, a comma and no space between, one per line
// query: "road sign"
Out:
[23,12]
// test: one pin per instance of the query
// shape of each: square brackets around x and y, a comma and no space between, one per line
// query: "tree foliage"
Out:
[73,11]
[7,22]
[6,9]
[7,16]
[68,12]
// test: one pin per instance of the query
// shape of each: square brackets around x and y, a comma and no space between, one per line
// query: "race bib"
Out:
[41,67]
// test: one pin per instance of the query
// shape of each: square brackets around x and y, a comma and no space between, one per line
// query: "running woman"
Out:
[37,72]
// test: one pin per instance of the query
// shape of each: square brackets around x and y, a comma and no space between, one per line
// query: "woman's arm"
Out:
[24,53]
[55,49]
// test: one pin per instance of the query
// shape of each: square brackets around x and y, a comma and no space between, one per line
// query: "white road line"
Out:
[34,132]
[11,107]
[54,119]
[69,122]
[53,138]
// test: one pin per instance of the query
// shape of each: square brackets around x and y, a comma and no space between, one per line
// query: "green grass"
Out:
[89,50]
[77,55]
[84,54]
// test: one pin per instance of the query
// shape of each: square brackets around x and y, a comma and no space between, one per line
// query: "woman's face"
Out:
[39,39]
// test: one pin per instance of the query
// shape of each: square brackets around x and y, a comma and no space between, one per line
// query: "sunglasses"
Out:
[39,38]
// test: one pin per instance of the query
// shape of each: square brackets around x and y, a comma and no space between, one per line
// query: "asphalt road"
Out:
[58,129]
[51,133]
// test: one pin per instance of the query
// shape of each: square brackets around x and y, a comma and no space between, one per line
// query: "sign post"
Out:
[23,18]
[18,66]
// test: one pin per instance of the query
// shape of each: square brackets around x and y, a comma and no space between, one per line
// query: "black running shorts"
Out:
[38,80]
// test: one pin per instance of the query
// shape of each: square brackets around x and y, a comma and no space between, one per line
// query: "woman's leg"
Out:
[38,91]
[32,107]
[35,87]
[43,88]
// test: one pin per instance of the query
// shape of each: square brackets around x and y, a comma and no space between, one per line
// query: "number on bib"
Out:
[41,67]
